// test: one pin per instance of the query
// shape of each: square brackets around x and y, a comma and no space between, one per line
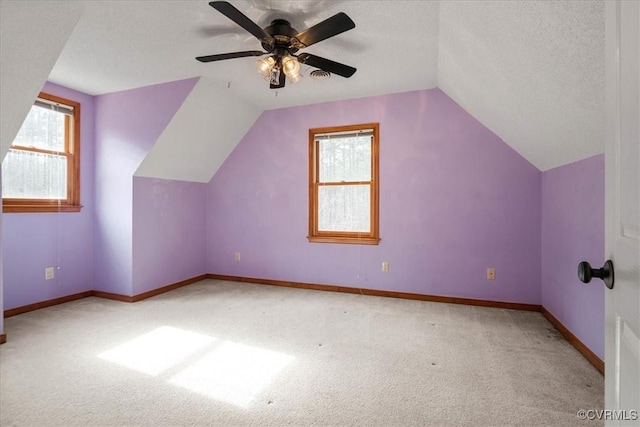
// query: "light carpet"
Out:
[224,354]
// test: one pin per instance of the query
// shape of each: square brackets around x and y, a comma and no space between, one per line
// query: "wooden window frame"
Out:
[317,236]
[72,153]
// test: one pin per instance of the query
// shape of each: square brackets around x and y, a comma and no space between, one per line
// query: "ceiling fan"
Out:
[281,42]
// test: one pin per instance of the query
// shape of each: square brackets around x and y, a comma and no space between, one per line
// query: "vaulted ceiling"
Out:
[531,71]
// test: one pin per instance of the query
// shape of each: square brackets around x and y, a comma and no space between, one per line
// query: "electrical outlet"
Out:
[236,256]
[49,273]
[385,267]
[491,274]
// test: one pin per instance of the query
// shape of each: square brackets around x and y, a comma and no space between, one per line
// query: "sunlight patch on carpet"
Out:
[158,350]
[233,373]
[229,371]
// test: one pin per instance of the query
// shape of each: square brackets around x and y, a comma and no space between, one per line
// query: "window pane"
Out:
[42,129]
[344,208]
[345,159]
[29,175]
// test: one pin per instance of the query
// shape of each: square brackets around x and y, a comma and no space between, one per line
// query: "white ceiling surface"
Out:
[126,44]
[28,52]
[180,153]
[532,72]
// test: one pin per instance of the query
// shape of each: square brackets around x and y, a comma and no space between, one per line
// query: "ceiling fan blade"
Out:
[338,23]
[326,65]
[228,10]
[281,82]
[221,56]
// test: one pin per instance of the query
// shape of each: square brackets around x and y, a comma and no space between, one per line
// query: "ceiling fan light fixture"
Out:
[281,41]
[291,67]
[274,76]
[265,66]
[295,78]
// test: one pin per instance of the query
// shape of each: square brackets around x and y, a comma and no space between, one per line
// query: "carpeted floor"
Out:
[223,354]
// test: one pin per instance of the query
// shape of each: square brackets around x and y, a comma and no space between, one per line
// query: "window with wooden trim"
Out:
[343,184]
[41,171]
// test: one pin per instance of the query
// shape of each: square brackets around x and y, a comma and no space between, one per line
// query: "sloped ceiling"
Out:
[143,44]
[532,72]
[31,39]
[180,153]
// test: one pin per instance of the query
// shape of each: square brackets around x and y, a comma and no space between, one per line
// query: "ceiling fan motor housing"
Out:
[282,33]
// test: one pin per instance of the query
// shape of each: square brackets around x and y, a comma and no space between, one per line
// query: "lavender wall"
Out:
[33,241]
[128,123]
[573,231]
[168,240]
[454,200]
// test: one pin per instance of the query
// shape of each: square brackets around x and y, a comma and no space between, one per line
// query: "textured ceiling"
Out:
[126,44]
[26,61]
[531,71]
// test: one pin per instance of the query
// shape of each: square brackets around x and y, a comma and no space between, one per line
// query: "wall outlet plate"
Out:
[49,273]
[491,274]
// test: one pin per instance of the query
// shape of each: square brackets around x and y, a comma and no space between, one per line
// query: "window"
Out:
[41,172]
[343,184]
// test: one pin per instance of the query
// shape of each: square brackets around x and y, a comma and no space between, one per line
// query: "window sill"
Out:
[35,208]
[344,240]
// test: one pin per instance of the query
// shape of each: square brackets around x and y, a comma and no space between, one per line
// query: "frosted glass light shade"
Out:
[265,65]
[295,78]
[290,66]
